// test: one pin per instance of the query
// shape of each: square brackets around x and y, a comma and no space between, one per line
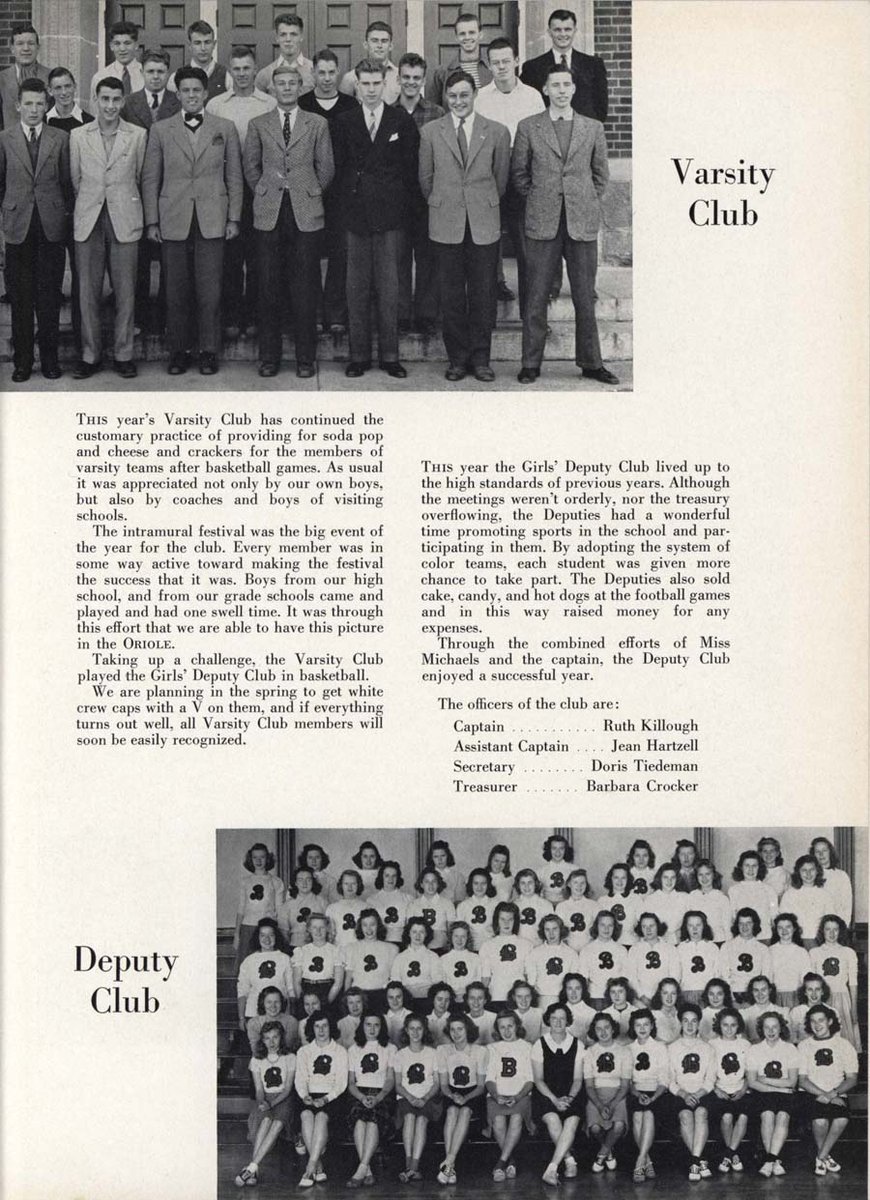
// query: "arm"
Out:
[598,166]
[324,159]
[501,160]
[75,170]
[152,180]
[253,156]
[301,1081]
[426,165]
[65,178]
[337,983]
[234,180]
[521,161]
[141,143]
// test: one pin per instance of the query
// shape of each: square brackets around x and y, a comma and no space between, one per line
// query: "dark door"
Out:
[163,24]
[251,23]
[496,20]
[341,28]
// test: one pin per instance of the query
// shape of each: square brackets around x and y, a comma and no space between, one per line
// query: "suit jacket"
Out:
[9,90]
[436,84]
[179,180]
[474,192]
[48,188]
[137,109]
[114,183]
[590,80]
[547,180]
[376,180]
[303,170]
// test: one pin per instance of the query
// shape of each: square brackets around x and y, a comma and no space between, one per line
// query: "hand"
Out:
[824,1098]
[242,1025]
[232,230]
[369,1101]
[840,1101]
[458,1100]
[509,1102]
[643,1099]
[606,1111]
[417,1103]
[692,1101]
[153,235]
[562,1103]
[263,1106]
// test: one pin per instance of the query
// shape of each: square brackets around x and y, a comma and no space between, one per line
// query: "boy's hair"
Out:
[124,29]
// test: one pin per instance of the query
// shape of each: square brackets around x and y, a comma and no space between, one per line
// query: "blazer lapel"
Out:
[19,141]
[299,127]
[181,137]
[449,135]
[121,138]
[274,128]
[207,131]
[577,138]
[478,137]
[548,133]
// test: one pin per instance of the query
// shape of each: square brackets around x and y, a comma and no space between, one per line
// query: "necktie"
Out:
[155,101]
[565,62]
[373,126]
[287,129]
[462,138]
[33,146]
[125,81]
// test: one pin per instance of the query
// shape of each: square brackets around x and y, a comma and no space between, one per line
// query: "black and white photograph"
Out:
[331,196]
[516,1011]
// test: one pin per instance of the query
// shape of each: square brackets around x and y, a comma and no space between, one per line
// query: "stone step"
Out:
[614,310]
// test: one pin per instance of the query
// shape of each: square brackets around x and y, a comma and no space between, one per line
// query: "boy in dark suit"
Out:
[36,197]
[376,160]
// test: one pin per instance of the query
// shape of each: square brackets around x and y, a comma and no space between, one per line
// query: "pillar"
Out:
[69,36]
[422,844]
[285,853]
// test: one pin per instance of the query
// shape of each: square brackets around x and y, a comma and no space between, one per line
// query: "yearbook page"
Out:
[524,672]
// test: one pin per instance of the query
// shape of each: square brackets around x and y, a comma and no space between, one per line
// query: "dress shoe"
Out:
[454,373]
[84,370]
[21,374]
[395,370]
[427,328]
[405,326]
[268,369]
[338,327]
[51,370]
[528,375]
[504,292]
[207,363]
[484,373]
[126,369]
[231,331]
[178,363]
[354,370]
[305,370]
[601,374]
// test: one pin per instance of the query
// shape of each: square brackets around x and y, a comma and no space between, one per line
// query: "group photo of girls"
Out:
[466,1008]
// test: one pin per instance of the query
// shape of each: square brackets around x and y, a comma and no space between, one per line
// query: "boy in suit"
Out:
[125,65]
[35,198]
[154,102]
[560,166]
[587,70]
[464,167]
[25,65]
[288,166]
[192,190]
[376,158]
[106,159]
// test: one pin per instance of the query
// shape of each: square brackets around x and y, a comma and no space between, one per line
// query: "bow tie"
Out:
[193,122]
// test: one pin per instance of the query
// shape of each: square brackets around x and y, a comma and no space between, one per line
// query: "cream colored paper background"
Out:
[750,347]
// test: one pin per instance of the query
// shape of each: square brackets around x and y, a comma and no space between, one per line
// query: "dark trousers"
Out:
[418,302]
[373,265]
[289,273]
[467,279]
[240,291]
[192,267]
[335,288]
[34,277]
[582,262]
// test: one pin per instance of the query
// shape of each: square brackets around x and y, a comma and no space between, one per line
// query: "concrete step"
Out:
[614,310]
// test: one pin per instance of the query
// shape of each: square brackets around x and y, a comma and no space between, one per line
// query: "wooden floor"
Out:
[281,1172]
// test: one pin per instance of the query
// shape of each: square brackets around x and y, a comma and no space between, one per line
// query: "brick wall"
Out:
[11,12]
[613,44]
